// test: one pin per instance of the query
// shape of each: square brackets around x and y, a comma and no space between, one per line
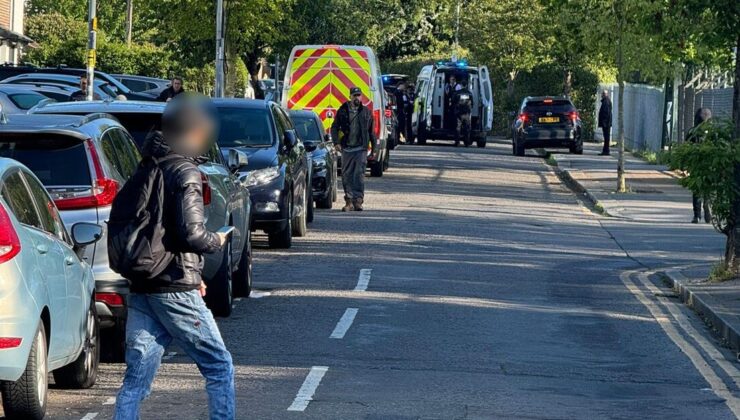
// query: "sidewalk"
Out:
[656,199]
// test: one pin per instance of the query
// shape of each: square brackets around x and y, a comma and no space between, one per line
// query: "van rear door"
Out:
[486,96]
[438,101]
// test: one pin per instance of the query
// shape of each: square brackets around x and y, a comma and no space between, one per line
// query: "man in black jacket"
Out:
[170,305]
[605,121]
[172,91]
[352,131]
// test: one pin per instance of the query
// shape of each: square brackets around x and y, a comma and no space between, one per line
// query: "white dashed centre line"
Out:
[344,323]
[110,401]
[169,355]
[363,280]
[305,394]
[89,416]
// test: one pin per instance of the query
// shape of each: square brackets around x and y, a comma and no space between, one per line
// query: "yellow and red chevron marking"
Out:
[321,78]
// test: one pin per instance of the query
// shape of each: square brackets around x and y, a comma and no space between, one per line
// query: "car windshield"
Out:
[55,159]
[244,127]
[307,129]
[25,100]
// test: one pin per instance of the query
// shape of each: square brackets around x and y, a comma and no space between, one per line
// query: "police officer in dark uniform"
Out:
[462,106]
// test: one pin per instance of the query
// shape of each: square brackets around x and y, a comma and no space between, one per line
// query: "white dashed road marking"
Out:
[254,294]
[344,323]
[89,416]
[169,355]
[363,280]
[305,394]
[110,401]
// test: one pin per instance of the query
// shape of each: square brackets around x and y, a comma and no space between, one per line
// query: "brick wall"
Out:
[5,13]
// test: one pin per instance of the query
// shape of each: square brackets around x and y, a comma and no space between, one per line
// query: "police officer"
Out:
[352,132]
[462,106]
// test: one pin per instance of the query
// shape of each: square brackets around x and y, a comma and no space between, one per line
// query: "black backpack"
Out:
[135,233]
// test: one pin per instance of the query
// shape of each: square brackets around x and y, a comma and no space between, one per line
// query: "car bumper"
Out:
[269,212]
[550,137]
[108,295]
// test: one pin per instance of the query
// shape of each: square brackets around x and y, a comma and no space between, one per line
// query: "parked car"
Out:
[18,101]
[547,121]
[102,88]
[59,93]
[48,319]
[117,87]
[391,81]
[323,155]
[326,92]
[277,173]
[228,274]
[143,84]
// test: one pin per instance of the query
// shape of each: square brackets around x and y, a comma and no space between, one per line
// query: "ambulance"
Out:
[318,78]
[433,117]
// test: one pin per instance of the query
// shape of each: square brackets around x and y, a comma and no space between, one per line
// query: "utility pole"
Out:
[457,31]
[92,26]
[220,76]
[129,21]
[278,91]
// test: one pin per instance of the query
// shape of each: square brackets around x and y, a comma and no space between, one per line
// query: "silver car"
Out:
[48,319]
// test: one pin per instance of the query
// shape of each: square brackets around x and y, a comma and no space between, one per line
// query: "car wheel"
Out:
[243,275]
[219,294]
[335,190]
[577,149]
[309,204]
[300,226]
[481,141]
[81,373]
[327,201]
[26,397]
[421,137]
[387,160]
[283,238]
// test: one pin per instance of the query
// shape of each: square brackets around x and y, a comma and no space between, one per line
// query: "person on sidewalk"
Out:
[605,121]
[352,131]
[696,135]
[169,304]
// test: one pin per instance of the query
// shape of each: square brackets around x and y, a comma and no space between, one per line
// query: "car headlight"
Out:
[261,176]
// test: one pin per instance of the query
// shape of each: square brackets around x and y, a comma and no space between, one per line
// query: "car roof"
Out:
[79,126]
[301,113]
[14,88]
[111,107]
[242,103]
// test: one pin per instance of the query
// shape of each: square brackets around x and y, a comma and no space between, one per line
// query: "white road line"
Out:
[237,299]
[305,394]
[344,323]
[89,416]
[110,401]
[258,295]
[363,280]
[169,355]
[715,382]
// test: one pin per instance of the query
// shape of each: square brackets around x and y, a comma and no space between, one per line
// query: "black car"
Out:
[323,157]
[277,173]
[549,122]
[116,85]
[102,88]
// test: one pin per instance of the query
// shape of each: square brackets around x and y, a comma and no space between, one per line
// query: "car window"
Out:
[19,200]
[55,159]
[136,85]
[244,127]
[553,106]
[279,123]
[286,120]
[214,155]
[25,100]
[51,222]
[128,154]
[112,151]
[307,129]
[57,96]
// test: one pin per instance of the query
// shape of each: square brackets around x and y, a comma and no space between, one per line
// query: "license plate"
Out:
[549,119]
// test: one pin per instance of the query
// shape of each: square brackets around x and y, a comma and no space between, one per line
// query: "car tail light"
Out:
[376,123]
[10,342]
[525,118]
[206,189]
[10,245]
[110,299]
[103,189]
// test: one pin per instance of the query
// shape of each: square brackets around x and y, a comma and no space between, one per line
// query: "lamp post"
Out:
[219,84]
[92,26]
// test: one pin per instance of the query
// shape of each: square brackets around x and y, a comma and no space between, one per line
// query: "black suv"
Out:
[549,122]
[277,173]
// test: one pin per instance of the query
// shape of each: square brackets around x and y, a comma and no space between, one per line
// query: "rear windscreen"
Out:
[55,159]
[139,125]
[307,128]
[25,100]
[244,127]
[554,106]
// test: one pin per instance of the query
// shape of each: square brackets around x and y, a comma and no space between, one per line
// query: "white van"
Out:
[433,118]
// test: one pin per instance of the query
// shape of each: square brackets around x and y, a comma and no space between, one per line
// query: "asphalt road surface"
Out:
[475,285]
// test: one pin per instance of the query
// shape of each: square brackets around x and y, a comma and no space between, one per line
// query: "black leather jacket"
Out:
[184,222]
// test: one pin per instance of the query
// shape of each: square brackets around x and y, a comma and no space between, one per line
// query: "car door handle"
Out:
[69,260]
[42,249]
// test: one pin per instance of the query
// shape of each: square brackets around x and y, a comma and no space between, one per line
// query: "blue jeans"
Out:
[153,321]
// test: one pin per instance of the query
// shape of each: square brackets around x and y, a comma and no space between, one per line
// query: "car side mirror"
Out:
[290,139]
[237,160]
[84,234]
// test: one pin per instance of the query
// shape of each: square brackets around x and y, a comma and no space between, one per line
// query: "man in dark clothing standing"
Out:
[81,95]
[352,131]
[605,121]
[170,305]
[173,90]
[696,135]
[402,100]
[462,106]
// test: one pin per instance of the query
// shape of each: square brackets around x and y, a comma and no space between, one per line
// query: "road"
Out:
[475,285]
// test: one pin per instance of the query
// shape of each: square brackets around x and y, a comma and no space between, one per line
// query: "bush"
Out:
[709,167]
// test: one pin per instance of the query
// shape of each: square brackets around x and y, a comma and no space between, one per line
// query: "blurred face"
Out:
[453,80]
[605,94]
[356,99]
[176,85]
[83,84]
[193,129]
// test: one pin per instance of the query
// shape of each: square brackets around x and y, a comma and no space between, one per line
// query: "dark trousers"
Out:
[607,139]
[353,174]
[700,204]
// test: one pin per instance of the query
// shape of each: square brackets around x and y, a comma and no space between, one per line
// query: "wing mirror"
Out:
[237,160]
[84,234]
[290,139]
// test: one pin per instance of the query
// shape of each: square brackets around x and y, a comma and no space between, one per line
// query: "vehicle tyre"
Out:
[243,276]
[376,169]
[113,343]
[421,137]
[519,149]
[283,238]
[300,222]
[387,160]
[26,397]
[219,294]
[310,205]
[334,191]
[327,201]
[481,141]
[82,373]
[577,149]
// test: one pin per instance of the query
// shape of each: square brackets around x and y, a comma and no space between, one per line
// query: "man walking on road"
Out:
[169,304]
[352,131]
[605,121]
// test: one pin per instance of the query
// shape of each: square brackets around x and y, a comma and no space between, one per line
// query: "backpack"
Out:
[135,232]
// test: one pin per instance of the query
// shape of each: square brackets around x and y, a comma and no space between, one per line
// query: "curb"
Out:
[576,186]
[703,306]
